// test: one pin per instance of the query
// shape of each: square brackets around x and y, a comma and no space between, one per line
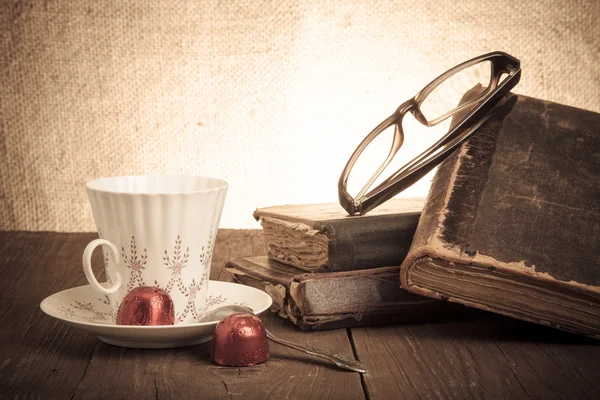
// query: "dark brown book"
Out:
[512,220]
[323,237]
[337,299]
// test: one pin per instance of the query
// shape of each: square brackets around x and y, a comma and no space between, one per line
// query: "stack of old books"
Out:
[511,225]
[325,269]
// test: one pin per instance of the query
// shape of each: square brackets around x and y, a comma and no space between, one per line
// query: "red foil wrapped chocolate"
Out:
[146,305]
[240,340]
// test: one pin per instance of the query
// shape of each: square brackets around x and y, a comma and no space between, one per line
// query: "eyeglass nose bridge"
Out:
[411,106]
[408,106]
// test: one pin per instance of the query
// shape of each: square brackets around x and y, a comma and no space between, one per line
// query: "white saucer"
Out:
[85,308]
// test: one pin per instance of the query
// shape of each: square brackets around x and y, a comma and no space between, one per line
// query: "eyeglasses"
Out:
[496,74]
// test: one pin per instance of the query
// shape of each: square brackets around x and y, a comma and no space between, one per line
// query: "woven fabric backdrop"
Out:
[270,95]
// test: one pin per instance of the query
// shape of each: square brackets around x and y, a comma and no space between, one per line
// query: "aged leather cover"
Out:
[324,238]
[512,220]
[329,300]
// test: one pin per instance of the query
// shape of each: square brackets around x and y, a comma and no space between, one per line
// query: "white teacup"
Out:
[157,231]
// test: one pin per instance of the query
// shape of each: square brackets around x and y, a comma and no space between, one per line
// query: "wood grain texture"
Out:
[189,373]
[485,356]
[488,356]
[41,357]
[44,358]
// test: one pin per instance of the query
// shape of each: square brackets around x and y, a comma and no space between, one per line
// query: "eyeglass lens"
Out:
[436,107]
[446,97]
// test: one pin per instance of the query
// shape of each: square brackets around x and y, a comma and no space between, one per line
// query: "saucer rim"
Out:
[45,308]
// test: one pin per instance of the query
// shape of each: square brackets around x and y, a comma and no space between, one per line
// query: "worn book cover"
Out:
[323,237]
[337,299]
[512,220]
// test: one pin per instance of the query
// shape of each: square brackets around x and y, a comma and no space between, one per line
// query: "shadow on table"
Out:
[481,325]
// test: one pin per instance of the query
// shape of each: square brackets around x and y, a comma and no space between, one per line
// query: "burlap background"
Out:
[269,95]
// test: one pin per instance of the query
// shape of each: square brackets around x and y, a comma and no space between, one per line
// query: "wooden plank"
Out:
[189,373]
[7,238]
[40,356]
[487,357]
[44,358]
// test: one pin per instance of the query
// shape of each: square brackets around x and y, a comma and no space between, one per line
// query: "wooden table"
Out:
[486,356]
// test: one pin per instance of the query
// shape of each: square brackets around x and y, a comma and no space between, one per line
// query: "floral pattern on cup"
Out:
[136,264]
[175,261]
[176,264]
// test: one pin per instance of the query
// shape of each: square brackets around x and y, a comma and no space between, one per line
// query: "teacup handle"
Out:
[87,265]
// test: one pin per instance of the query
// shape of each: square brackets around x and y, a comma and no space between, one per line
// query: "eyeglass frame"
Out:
[410,173]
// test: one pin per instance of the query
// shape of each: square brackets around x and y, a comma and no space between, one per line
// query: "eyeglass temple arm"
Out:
[418,161]
[419,167]
[442,147]
[461,107]
[398,140]
[449,139]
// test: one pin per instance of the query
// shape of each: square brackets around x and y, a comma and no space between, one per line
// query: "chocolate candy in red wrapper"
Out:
[146,305]
[240,340]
